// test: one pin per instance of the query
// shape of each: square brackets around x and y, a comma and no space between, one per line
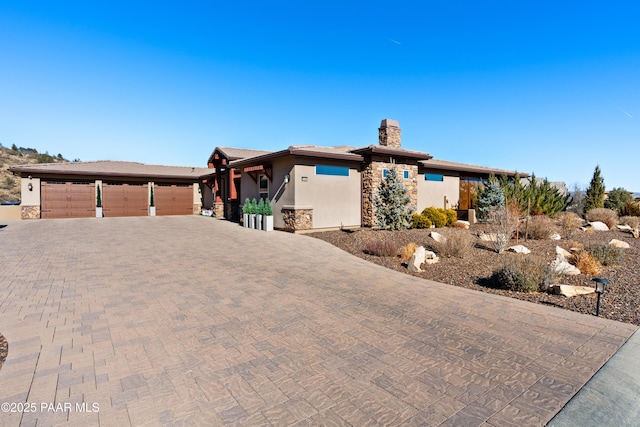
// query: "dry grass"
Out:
[631,221]
[586,263]
[458,244]
[569,223]
[540,227]
[608,216]
[407,251]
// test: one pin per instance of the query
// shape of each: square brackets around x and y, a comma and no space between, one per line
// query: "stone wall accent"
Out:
[30,212]
[389,133]
[371,180]
[218,210]
[297,219]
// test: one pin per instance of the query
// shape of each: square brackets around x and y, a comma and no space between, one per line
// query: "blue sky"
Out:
[550,87]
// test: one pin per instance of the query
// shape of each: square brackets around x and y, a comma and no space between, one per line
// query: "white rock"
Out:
[488,237]
[437,237]
[624,227]
[417,259]
[463,224]
[598,226]
[555,236]
[571,291]
[564,254]
[431,257]
[619,244]
[519,249]
[563,267]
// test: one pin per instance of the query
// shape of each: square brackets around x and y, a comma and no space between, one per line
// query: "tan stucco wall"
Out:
[433,193]
[10,212]
[30,198]
[335,200]
[197,198]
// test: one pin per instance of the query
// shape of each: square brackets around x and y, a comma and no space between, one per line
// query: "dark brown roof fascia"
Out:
[473,169]
[62,173]
[377,149]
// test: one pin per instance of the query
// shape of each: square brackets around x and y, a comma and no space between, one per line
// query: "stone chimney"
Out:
[389,133]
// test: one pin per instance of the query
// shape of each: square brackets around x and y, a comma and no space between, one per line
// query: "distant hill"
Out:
[15,156]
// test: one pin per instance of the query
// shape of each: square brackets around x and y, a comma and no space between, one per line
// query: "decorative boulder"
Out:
[462,224]
[555,236]
[562,253]
[519,249]
[560,266]
[437,237]
[571,291]
[430,257]
[619,244]
[624,227]
[598,226]
[417,259]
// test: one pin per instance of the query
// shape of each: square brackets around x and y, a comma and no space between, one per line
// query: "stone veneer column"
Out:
[371,180]
[218,210]
[297,219]
[30,212]
[389,133]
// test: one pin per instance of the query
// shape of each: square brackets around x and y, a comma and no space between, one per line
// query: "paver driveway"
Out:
[191,320]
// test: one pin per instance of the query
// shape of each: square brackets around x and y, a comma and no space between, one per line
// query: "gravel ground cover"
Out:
[621,301]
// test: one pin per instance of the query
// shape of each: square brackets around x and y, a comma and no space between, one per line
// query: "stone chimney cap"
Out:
[389,123]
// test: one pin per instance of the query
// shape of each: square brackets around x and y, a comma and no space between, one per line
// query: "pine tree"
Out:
[491,195]
[392,203]
[595,192]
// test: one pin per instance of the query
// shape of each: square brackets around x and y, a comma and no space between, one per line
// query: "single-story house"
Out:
[70,190]
[314,187]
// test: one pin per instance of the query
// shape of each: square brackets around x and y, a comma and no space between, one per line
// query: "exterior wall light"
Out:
[30,187]
[286,178]
[600,288]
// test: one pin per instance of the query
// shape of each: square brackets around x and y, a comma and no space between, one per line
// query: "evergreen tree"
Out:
[595,192]
[392,203]
[618,197]
[491,195]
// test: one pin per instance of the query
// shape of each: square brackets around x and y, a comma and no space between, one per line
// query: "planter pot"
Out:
[152,211]
[252,220]
[258,222]
[268,223]
[245,220]
[99,212]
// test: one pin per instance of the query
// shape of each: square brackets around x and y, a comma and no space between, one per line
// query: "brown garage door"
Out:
[125,199]
[66,199]
[174,199]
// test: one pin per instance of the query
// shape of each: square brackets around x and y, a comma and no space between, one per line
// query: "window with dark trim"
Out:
[332,170]
[433,177]
[405,174]
[263,186]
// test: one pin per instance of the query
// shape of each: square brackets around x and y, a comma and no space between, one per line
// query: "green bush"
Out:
[246,208]
[436,216]
[617,198]
[607,255]
[260,209]
[452,216]
[420,221]
[523,274]
[267,208]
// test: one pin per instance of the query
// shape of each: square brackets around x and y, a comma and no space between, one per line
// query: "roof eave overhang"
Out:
[58,173]
[377,149]
[291,151]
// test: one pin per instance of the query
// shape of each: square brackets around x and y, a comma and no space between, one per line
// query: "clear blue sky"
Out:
[551,87]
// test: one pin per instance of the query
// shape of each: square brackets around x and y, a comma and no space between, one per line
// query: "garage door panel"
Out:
[67,199]
[125,199]
[173,199]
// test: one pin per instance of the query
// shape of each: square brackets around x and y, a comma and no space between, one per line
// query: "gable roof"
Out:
[232,153]
[113,169]
[341,152]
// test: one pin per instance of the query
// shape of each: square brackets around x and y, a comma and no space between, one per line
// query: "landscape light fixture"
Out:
[601,283]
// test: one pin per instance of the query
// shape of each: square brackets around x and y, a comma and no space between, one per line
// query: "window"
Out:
[384,173]
[405,174]
[332,170]
[263,187]
[433,177]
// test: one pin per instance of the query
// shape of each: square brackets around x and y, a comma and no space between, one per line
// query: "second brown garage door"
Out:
[125,199]
[174,199]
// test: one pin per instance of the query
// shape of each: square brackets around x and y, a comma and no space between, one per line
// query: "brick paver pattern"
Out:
[197,321]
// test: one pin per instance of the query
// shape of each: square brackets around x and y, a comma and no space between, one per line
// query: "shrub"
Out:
[246,208]
[502,223]
[458,243]
[631,208]
[631,221]
[381,247]
[436,216]
[260,209]
[420,221]
[523,274]
[569,222]
[407,251]
[452,216]
[539,227]
[268,211]
[617,199]
[595,193]
[607,216]
[489,196]
[605,254]
[586,263]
